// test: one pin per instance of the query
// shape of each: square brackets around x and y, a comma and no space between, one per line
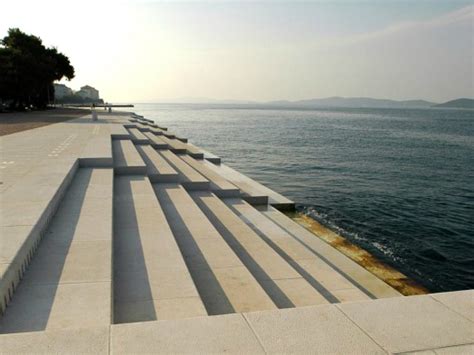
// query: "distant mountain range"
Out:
[355,102]
[330,102]
[458,103]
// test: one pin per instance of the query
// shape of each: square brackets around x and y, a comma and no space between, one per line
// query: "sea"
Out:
[397,182]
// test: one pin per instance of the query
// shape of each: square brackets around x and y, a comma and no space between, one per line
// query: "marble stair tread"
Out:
[69,281]
[189,177]
[219,185]
[281,281]
[151,280]
[333,285]
[224,283]
[158,168]
[126,158]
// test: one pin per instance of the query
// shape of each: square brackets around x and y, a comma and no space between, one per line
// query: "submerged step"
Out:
[334,286]
[157,167]
[188,176]
[69,281]
[224,283]
[283,283]
[137,136]
[363,278]
[126,158]
[151,280]
[220,186]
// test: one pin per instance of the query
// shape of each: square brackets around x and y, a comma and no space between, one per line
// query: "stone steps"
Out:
[188,177]
[359,276]
[220,186]
[283,283]
[151,280]
[175,145]
[224,283]
[137,136]
[254,192]
[321,275]
[156,141]
[157,168]
[126,158]
[69,282]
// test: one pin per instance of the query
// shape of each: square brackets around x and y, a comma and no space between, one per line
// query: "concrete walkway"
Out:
[119,236]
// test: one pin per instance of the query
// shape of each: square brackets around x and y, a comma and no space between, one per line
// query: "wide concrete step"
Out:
[156,141]
[151,280]
[280,280]
[220,186]
[118,131]
[333,285]
[69,281]
[157,168]
[175,145]
[254,192]
[98,150]
[32,199]
[188,177]
[126,158]
[361,277]
[137,136]
[223,281]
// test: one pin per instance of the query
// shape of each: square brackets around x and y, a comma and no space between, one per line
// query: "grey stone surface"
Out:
[188,176]
[158,169]
[93,340]
[126,158]
[151,280]
[224,283]
[219,185]
[461,302]
[403,324]
[204,335]
[316,330]
[344,266]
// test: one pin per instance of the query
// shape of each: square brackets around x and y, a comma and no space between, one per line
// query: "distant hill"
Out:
[458,103]
[354,102]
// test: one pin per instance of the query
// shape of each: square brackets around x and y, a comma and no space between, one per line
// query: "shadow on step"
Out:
[32,305]
[210,291]
[133,299]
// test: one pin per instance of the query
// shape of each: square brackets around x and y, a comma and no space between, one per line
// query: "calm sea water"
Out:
[397,182]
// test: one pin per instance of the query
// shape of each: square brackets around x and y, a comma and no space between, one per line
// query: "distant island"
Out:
[458,103]
[329,102]
[354,102]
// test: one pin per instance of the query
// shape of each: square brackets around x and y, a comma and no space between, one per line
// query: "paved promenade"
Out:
[119,236]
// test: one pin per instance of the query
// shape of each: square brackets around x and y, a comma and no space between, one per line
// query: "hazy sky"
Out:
[144,51]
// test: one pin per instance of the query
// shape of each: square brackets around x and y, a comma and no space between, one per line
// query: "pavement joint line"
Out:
[254,332]
[337,305]
[451,309]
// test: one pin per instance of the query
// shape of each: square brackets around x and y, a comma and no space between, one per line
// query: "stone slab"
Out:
[316,330]
[403,324]
[205,335]
[126,158]
[93,340]
[461,302]
[158,169]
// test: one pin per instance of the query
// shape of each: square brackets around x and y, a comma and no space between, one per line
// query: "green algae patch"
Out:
[388,274]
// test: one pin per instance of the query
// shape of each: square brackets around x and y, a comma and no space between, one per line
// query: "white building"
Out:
[88,92]
[61,90]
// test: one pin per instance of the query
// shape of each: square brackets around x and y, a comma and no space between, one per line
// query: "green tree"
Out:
[28,70]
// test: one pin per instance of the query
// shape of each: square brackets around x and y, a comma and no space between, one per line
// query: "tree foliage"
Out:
[28,70]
